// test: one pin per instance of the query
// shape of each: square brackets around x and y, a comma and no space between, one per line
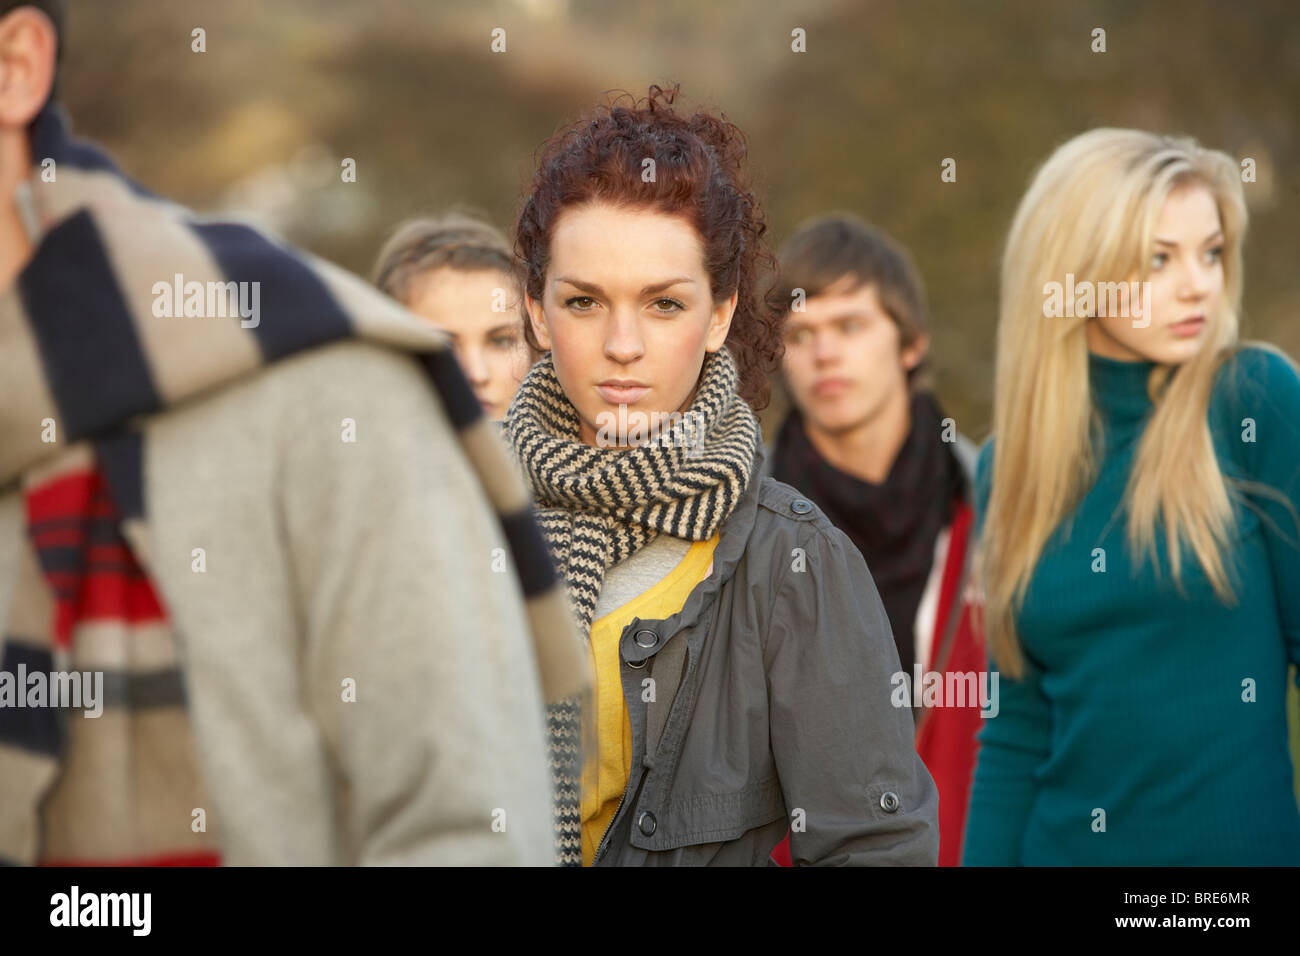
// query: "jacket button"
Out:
[646,824]
[889,801]
[646,638]
[801,506]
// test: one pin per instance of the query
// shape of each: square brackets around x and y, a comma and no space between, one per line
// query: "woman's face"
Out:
[488,344]
[628,313]
[1186,284]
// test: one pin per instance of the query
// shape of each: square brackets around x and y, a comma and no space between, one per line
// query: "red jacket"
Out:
[945,736]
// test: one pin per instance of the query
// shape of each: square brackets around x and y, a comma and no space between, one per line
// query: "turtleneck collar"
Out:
[1119,388]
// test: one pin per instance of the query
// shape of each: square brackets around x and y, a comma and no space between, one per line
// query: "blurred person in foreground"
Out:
[457,272]
[258,500]
[1140,541]
[867,442]
[743,657]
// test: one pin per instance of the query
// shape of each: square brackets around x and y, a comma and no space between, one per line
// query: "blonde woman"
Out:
[458,272]
[1141,547]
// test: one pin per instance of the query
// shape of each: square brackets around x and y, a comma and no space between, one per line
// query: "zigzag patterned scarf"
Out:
[598,506]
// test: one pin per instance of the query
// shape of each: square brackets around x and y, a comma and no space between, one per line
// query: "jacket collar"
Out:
[733,539]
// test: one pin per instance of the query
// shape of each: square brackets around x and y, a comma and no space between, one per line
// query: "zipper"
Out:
[604,840]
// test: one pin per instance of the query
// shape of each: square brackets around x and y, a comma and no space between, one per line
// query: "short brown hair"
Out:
[825,250]
[456,240]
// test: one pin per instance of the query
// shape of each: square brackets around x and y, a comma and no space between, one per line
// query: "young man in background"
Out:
[868,443]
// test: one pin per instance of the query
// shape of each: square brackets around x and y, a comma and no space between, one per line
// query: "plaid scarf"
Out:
[598,506]
[86,352]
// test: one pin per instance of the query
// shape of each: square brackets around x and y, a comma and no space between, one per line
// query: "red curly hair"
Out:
[699,174]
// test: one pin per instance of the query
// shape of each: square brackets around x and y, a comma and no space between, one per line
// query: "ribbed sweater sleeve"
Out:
[1260,392]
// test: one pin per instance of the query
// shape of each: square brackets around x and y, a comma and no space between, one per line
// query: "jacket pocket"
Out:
[707,817]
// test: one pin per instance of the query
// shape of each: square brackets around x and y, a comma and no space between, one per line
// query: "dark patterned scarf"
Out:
[597,506]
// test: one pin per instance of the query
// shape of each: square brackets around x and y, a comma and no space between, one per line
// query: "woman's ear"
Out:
[537,319]
[720,323]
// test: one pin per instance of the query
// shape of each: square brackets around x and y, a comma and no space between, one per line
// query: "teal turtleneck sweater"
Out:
[1164,712]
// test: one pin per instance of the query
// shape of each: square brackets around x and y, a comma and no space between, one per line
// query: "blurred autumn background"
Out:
[259,123]
[412,91]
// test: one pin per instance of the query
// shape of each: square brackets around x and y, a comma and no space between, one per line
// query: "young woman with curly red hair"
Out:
[743,657]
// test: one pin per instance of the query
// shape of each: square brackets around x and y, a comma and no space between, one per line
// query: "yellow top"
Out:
[604,775]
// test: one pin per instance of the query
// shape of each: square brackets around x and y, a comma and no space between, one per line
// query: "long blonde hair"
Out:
[1091,210]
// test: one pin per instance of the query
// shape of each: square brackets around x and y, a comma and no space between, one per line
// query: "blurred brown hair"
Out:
[456,240]
[840,245]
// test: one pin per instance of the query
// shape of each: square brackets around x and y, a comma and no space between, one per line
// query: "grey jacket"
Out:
[764,704]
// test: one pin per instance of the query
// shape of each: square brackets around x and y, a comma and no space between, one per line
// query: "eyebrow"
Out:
[594,289]
[1217,234]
